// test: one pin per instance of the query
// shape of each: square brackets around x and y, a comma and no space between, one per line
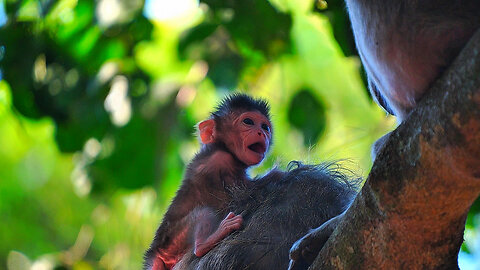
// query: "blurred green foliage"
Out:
[99,99]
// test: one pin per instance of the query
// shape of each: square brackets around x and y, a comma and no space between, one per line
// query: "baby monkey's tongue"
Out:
[257,147]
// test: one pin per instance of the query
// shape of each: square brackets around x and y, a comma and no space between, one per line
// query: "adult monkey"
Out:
[404,46]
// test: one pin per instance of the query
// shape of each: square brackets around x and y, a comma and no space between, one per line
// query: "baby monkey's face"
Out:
[251,136]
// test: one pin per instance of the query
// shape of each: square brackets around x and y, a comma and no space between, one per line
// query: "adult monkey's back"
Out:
[279,209]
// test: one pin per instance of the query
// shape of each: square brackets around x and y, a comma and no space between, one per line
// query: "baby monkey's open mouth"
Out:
[258,147]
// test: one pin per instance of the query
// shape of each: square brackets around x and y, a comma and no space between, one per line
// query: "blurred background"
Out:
[99,101]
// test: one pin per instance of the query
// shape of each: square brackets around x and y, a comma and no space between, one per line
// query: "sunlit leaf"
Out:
[18,261]
[29,10]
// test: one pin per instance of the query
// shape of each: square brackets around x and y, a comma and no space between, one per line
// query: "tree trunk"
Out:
[411,212]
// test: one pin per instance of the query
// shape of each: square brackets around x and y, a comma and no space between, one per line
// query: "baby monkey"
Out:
[236,136]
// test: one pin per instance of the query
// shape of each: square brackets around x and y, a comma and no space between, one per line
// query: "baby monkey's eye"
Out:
[266,127]
[248,121]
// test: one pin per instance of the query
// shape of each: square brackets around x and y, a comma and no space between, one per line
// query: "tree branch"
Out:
[412,209]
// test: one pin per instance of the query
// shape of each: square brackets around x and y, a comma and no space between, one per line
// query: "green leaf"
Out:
[307,114]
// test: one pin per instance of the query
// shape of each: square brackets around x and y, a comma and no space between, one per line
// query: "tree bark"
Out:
[411,212]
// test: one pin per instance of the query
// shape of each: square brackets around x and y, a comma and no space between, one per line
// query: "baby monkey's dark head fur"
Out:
[241,102]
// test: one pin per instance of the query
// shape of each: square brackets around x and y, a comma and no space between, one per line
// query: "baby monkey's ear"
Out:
[207,131]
